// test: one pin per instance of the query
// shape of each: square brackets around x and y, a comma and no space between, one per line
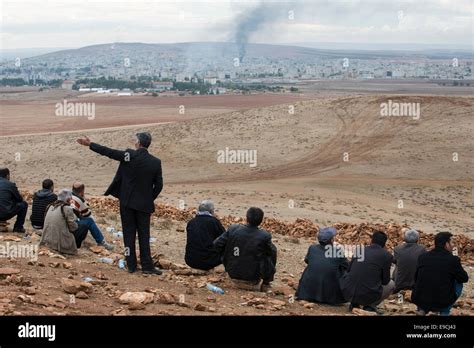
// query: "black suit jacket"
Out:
[363,283]
[138,180]
[435,275]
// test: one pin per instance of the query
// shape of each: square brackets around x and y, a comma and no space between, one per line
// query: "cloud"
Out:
[75,23]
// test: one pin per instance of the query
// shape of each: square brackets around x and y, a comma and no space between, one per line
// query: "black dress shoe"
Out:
[131,270]
[19,229]
[152,271]
[352,306]
[372,309]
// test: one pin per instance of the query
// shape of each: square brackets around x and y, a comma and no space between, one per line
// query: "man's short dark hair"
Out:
[4,172]
[379,238]
[144,139]
[442,238]
[254,216]
[48,184]
[77,188]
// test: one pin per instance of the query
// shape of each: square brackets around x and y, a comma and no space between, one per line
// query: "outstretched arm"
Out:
[117,155]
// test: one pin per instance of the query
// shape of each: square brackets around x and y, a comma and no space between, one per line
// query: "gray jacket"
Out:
[405,259]
[57,229]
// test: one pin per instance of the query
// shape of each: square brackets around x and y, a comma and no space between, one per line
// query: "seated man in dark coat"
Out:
[438,278]
[11,202]
[405,259]
[41,200]
[201,231]
[326,265]
[367,281]
[248,252]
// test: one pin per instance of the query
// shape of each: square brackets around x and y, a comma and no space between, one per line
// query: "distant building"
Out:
[67,84]
[162,85]
[210,80]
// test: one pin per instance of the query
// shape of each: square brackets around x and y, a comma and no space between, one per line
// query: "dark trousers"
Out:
[269,267]
[133,222]
[80,234]
[20,212]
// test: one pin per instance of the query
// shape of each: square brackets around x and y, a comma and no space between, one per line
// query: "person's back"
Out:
[8,197]
[135,179]
[41,200]
[320,279]
[245,249]
[368,281]
[406,260]
[201,231]
[435,280]
[59,222]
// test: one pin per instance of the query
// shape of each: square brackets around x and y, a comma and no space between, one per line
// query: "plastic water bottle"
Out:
[110,229]
[121,264]
[106,260]
[118,234]
[152,239]
[88,279]
[215,289]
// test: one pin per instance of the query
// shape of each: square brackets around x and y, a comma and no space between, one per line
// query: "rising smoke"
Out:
[255,19]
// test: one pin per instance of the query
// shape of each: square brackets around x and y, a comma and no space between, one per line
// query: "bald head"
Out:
[78,188]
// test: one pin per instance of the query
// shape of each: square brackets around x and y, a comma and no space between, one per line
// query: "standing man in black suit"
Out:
[136,184]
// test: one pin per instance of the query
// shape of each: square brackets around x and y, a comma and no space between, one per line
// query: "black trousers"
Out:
[80,234]
[268,267]
[20,212]
[133,222]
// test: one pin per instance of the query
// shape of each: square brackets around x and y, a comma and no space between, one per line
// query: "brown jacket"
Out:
[57,229]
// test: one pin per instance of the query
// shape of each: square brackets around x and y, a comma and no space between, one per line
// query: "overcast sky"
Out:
[77,23]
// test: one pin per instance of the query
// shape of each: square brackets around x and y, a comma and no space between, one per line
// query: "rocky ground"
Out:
[83,285]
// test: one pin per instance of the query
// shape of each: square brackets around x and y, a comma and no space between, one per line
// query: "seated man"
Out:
[41,200]
[367,281]
[11,202]
[60,231]
[84,214]
[201,231]
[438,278]
[248,252]
[405,259]
[320,279]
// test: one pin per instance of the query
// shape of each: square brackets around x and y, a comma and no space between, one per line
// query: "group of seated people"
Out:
[250,258]
[63,220]
[248,255]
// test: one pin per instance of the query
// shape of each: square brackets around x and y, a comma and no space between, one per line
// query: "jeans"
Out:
[92,227]
[458,289]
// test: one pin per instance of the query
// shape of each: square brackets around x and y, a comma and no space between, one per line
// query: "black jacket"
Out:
[138,180]
[41,200]
[320,279]
[405,257]
[362,284]
[435,275]
[9,198]
[244,249]
[201,231]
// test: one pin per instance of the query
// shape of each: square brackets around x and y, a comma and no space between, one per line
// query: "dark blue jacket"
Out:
[320,279]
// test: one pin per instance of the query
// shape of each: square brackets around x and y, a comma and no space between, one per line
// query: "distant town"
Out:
[216,69]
